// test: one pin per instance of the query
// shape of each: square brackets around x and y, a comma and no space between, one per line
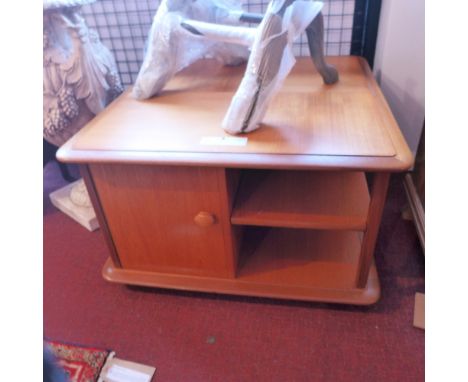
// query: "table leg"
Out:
[374,216]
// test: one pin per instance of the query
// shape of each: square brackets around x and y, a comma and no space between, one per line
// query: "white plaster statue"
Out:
[186,31]
[80,77]
[270,62]
[171,47]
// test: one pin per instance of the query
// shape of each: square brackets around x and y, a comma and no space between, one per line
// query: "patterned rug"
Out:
[81,364]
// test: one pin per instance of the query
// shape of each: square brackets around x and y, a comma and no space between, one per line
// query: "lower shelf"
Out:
[300,257]
[295,264]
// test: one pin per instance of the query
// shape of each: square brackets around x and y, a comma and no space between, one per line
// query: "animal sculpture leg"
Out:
[269,63]
[315,39]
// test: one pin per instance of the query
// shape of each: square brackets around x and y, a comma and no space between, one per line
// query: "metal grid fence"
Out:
[123,26]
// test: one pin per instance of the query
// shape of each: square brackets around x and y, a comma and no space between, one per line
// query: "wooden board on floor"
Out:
[419,311]
[119,370]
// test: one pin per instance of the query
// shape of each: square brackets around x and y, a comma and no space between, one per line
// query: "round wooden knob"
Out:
[204,219]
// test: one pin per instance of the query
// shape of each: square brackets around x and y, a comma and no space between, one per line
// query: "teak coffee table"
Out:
[282,212]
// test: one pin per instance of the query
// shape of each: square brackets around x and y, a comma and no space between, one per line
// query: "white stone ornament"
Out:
[79,195]
[80,79]
[81,212]
[80,75]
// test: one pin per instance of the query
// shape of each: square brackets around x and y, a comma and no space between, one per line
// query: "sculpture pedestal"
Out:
[83,215]
[80,79]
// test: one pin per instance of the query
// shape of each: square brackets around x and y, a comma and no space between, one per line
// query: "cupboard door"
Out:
[166,218]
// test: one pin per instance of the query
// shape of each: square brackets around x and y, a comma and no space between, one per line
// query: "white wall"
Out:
[399,64]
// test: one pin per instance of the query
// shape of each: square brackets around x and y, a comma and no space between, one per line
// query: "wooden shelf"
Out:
[302,199]
[307,258]
[356,296]
[281,263]
[278,263]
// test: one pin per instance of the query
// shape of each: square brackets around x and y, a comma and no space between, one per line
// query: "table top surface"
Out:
[307,125]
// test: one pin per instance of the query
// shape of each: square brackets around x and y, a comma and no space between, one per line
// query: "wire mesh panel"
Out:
[123,26]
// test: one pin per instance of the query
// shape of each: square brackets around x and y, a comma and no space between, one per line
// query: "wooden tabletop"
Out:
[307,125]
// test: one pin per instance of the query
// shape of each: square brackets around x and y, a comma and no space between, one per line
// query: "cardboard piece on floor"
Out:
[419,308]
[119,370]
[83,215]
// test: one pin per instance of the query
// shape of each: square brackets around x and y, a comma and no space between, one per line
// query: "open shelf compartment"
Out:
[302,199]
[309,265]
[298,257]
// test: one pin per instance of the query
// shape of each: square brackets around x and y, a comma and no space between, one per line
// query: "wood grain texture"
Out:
[378,196]
[299,281]
[168,200]
[314,258]
[90,186]
[150,212]
[228,181]
[346,125]
[419,311]
[302,199]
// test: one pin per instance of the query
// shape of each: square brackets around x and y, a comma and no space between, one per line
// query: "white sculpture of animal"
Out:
[186,31]
[171,47]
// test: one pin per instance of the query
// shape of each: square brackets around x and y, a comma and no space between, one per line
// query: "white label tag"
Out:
[224,141]
[122,374]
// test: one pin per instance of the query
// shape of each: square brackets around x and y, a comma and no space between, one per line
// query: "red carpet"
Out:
[81,364]
[203,337]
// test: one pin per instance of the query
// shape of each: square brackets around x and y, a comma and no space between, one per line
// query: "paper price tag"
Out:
[122,374]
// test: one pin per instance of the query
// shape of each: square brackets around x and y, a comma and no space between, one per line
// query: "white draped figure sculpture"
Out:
[80,79]
[186,31]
